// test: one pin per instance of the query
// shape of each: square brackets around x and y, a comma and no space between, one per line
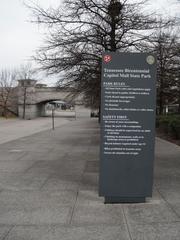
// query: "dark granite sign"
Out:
[128,99]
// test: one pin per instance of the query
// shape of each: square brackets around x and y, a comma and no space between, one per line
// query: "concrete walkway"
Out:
[11,129]
[49,183]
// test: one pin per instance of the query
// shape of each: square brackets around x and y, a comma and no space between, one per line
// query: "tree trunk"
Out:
[113,34]
[99,117]
[4,113]
[24,104]
[179,102]
[161,103]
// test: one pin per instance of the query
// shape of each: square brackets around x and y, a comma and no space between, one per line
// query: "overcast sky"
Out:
[19,38]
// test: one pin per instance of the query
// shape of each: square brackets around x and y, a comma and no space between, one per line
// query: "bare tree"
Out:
[167,50]
[164,43]
[176,74]
[25,72]
[9,92]
[81,30]
[8,98]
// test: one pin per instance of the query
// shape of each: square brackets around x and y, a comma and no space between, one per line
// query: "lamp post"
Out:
[114,10]
[24,102]
[53,109]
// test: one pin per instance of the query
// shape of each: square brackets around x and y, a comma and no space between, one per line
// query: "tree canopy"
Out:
[80,30]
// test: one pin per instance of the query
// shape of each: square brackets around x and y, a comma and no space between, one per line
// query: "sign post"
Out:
[53,109]
[128,103]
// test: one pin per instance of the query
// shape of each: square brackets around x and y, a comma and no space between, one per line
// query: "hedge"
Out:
[169,125]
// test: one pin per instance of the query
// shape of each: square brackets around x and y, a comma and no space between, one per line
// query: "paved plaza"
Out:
[11,129]
[49,187]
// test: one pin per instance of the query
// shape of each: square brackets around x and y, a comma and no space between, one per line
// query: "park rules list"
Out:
[128,110]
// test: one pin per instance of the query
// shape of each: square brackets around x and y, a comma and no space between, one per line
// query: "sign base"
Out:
[116,200]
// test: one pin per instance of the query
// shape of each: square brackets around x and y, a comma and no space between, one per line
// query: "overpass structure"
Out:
[32,98]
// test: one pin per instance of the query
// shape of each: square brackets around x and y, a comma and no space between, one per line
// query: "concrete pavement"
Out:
[11,129]
[49,190]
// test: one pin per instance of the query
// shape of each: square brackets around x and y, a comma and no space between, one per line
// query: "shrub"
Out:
[169,124]
[164,123]
[157,121]
[174,128]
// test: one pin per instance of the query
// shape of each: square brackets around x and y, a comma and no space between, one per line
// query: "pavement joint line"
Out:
[168,204]
[127,224]
[24,154]
[102,224]
[37,190]
[26,171]
[45,181]
[77,194]
[35,225]
[73,208]
[78,224]
[6,235]
[65,225]
[157,222]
